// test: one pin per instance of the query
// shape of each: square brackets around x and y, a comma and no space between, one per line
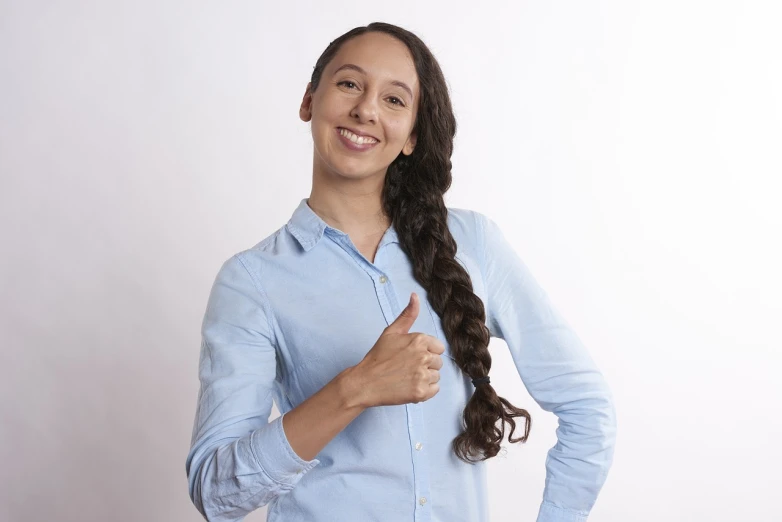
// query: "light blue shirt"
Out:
[286,316]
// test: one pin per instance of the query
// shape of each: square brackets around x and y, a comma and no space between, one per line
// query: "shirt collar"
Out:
[308,227]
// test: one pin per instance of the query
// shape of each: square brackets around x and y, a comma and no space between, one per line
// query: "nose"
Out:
[365,109]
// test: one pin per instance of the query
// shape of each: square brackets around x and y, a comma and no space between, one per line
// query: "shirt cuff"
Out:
[552,513]
[276,457]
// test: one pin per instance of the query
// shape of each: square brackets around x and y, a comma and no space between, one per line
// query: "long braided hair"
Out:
[413,198]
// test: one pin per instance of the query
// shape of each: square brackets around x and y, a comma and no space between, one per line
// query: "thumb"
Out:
[408,316]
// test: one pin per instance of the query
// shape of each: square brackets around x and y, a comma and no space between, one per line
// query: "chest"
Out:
[331,306]
[327,322]
[368,247]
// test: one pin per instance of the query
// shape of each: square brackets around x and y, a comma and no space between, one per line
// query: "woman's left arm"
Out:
[559,374]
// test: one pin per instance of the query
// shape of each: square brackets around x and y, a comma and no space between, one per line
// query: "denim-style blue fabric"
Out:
[286,316]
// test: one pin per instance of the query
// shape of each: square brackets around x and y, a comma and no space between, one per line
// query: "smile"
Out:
[356,139]
[353,142]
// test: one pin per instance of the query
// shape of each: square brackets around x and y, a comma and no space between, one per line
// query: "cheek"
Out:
[326,111]
[396,129]
[323,123]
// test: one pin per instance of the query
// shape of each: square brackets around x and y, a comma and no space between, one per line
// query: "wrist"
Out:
[353,389]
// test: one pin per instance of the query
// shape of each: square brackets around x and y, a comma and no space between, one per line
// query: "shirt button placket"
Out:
[415,425]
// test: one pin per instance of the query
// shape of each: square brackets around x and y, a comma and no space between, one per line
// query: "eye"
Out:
[397,102]
[346,81]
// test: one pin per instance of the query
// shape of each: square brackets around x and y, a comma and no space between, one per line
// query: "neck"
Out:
[354,207]
[359,216]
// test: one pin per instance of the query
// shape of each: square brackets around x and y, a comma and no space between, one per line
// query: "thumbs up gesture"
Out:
[401,367]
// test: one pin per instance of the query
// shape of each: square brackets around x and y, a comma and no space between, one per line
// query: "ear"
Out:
[305,111]
[410,145]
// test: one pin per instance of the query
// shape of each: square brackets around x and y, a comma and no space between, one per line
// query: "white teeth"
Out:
[356,139]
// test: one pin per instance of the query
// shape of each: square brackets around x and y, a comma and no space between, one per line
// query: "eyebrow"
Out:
[354,67]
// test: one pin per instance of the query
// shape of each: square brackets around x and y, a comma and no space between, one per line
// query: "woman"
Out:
[367,318]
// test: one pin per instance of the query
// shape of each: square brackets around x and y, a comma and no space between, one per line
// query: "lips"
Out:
[350,145]
[359,133]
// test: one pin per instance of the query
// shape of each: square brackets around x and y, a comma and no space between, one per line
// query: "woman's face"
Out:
[363,88]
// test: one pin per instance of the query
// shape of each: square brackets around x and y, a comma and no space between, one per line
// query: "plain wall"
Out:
[630,151]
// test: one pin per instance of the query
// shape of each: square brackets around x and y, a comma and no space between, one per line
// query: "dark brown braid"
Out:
[413,199]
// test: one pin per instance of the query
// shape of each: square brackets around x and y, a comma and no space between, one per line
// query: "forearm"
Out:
[231,480]
[311,425]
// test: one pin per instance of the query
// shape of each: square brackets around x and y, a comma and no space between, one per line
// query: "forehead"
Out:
[380,55]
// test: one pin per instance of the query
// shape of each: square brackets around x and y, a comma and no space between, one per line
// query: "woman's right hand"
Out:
[401,367]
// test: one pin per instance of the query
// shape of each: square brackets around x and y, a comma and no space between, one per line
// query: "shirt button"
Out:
[383,279]
[422,501]
[418,445]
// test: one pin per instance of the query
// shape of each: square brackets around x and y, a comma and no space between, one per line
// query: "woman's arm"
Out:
[559,374]
[238,461]
[316,421]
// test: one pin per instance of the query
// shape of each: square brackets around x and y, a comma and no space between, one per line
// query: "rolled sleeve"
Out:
[550,513]
[283,466]
[559,374]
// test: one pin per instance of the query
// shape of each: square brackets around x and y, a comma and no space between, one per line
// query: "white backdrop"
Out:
[629,149]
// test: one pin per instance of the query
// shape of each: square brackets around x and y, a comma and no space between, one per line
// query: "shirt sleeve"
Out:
[238,461]
[559,374]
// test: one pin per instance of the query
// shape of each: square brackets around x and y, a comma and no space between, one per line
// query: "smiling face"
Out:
[371,88]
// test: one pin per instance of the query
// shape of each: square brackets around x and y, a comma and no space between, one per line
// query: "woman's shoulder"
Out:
[254,258]
[466,228]
[277,243]
[465,224]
